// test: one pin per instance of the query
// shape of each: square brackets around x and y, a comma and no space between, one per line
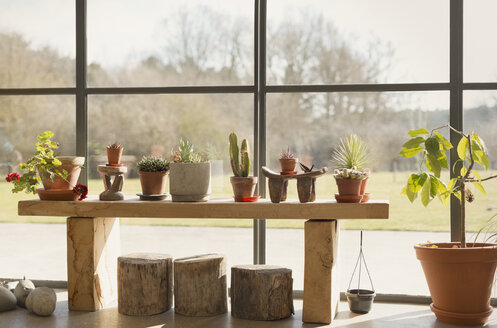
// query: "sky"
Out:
[124,31]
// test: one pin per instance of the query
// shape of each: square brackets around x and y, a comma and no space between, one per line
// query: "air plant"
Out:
[351,152]
[287,154]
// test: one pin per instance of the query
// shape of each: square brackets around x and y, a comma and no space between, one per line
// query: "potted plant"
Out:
[288,162]
[153,174]
[460,275]
[243,185]
[349,185]
[190,177]
[114,154]
[353,152]
[58,174]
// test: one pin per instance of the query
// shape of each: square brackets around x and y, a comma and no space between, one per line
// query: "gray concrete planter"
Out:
[190,182]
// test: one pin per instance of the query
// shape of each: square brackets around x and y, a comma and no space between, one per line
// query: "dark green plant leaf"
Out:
[432,146]
[433,165]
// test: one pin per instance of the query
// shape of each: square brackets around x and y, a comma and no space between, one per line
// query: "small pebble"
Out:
[42,301]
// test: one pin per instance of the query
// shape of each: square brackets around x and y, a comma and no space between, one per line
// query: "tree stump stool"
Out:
[145,283]
[261,292]
[200,285]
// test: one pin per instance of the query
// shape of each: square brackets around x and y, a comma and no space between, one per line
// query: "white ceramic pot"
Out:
[190,182]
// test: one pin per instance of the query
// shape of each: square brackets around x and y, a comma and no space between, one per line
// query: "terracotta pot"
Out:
[364,183]
[114,155]
[288,164]
[190,182]
[72,165]
[153,183]
[243,186]
[57,194]
[460,281]
[349,186]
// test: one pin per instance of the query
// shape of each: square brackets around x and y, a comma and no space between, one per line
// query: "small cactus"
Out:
[239,158]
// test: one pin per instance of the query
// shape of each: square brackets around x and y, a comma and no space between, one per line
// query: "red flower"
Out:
[12,177]
[82,190]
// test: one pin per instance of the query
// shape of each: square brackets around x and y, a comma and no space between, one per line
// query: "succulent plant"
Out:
[287,154]
[115,145]
[153,164]
[352,173]
[186,154]
[239,158]
[351,152]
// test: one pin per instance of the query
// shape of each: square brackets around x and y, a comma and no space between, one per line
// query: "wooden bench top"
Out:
[215,208]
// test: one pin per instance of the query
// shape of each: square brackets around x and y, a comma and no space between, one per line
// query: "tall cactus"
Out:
[239,158]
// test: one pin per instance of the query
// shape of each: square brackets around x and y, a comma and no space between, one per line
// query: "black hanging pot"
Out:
[360,300]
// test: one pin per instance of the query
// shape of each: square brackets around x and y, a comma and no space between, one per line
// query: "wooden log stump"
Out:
[145,283]
[261,292]
[200,285]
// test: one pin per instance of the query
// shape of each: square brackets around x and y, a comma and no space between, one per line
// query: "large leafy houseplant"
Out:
[459,275]
[44,167]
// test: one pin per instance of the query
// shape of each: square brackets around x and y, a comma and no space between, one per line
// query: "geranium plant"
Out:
[45,162]
[433,146]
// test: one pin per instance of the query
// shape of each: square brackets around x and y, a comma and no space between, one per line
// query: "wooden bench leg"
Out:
[93,245]
[321,292]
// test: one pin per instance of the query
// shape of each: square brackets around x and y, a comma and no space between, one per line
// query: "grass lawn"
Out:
[382,185]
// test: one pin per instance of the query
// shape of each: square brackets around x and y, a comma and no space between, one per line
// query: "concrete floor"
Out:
[383,315]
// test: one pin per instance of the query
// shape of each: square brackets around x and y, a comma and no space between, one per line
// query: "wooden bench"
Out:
[93,241]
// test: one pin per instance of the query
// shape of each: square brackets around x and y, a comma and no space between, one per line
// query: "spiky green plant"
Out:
[186,154]
[153,164]
[351,152]
[239,158]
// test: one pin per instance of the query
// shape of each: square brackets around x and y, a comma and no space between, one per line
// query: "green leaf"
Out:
[414,142]
[426,193]
[477,175]
[443,193]
[415,133]
[432,146]
[410,152]
[434,186]
[446,145]
[451,184]
[433,165]
[442,158]
[479,187]
[462,148]
[416,181]
[463,171]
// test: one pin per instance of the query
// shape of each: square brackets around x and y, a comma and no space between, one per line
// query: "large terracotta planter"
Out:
[72,165]
[190,182]
[288,164]
[114,155]
[243,186]
[153,183]
[460,281]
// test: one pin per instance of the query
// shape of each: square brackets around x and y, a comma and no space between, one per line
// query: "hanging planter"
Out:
[360,300]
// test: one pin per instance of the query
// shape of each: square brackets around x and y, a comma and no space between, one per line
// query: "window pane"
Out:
[479,49]
[480,116]
[37,43]
[170,43]
[314,125]
[146,125]
[357,41]
[22,118]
